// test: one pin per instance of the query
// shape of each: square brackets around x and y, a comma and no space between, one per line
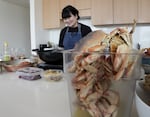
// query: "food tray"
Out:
[14,65]
[29,71]
[52,75]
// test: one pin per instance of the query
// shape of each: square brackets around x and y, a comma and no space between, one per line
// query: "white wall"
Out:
[15,26]
[141,34]
[38,35]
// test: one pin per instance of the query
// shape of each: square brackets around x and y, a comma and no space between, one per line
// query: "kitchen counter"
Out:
[40,98]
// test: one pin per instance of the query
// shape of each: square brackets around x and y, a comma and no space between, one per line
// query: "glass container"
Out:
[101,84]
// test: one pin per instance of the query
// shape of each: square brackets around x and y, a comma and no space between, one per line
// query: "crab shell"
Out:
[99,40]
[91,42]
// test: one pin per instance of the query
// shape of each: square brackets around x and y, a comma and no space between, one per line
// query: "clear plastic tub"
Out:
[29,73]
[52,75]
[96,87]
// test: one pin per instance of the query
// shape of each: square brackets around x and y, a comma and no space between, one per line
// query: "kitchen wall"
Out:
[15,26]
[141,34]
[39,35]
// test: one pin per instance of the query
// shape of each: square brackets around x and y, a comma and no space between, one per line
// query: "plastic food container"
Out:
[96,88]
[29,73]
[52,75]
[14,65]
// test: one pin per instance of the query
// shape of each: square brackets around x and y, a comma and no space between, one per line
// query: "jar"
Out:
[95,88]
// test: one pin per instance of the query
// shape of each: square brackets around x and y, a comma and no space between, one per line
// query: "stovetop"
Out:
[46,66]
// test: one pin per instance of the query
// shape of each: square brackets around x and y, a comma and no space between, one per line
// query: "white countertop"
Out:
[40,98]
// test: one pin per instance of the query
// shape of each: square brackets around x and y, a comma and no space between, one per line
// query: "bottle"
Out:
[6,56]
[1,55]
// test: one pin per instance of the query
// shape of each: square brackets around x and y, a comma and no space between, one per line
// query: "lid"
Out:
[29,71]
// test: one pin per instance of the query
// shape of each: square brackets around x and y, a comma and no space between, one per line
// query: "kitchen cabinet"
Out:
[83,7]
[144,8]
[62,4]
[102,12]
[51,14]
[125,11]
[114,11]
[52,11]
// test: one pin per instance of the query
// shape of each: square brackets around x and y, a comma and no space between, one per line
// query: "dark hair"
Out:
[68,10]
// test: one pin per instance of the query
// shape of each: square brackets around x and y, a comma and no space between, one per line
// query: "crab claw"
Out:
[133,28]
[120,61]
[112,97]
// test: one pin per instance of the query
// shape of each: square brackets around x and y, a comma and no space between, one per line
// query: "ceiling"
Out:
[24,3]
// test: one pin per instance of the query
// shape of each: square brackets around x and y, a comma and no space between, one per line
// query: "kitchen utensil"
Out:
[52,57]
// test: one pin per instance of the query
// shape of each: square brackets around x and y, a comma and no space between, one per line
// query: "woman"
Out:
[74,30]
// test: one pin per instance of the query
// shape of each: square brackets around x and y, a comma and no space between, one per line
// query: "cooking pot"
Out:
[42,46]
[51,56]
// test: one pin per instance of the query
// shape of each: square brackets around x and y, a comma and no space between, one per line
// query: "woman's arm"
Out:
[61,37]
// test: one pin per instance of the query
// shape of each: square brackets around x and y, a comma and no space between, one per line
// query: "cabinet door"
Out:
[125,11]
[144,8]
[51,14]
[102,12]
[64,3]
[84,7]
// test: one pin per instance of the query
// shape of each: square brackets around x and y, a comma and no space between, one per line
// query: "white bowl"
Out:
[141,100]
